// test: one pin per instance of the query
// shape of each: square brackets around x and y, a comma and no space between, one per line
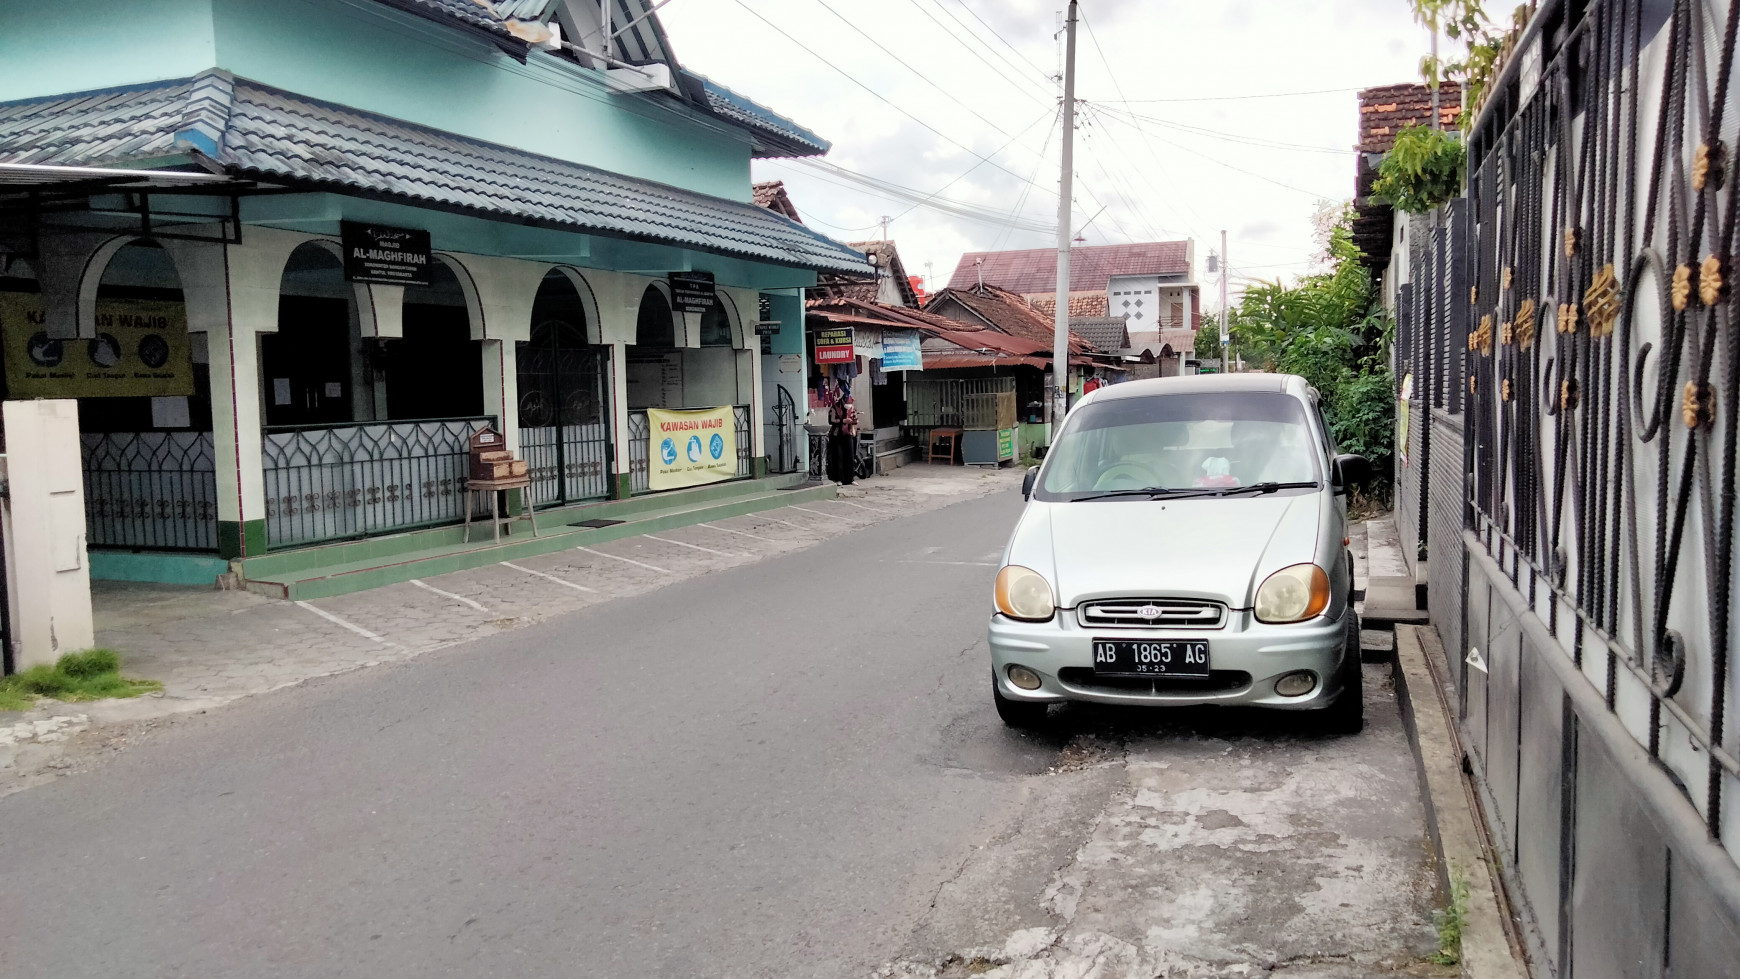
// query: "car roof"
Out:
[1206,384]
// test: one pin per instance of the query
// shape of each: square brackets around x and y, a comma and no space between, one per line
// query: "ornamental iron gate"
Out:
[1575,319]
[564,415]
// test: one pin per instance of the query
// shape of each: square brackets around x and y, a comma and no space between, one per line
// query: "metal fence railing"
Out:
[331,482]
[977,403]
[150,490]
[567,464]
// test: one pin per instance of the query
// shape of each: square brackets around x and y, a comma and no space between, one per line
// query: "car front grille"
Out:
[1161,613]
[1218,681]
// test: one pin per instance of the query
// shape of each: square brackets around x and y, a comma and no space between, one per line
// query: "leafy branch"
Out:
[1422,170]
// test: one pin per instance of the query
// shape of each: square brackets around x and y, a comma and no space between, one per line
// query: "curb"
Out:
[1452,823]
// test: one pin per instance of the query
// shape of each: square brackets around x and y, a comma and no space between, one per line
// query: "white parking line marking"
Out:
[860,506]
[966,564]
[819,513]
[693,547]
[739,533]
[782,523]
[447,594]
[335,620]
[550,577]
[625,560]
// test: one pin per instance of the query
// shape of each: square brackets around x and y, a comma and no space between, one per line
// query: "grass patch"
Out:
[94,674]
[1451,920]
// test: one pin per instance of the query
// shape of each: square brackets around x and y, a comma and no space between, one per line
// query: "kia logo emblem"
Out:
[1149,611]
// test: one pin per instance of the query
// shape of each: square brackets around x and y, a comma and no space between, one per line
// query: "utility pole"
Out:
[885,220]
[1225,334]
[1060,320]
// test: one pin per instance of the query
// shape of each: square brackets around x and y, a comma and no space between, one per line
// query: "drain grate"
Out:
[597,522]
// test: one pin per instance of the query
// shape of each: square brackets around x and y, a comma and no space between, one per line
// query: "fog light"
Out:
[1024,678]
[1296,684]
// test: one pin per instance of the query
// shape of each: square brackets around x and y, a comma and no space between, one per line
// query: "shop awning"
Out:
[244,129]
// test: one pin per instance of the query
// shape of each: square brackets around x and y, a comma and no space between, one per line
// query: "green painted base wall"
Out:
[159,567]
[247,538]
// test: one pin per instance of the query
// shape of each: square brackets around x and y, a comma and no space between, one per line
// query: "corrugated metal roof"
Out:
[254,130]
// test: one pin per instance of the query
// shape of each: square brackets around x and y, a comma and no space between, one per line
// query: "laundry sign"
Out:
[834,345]
[385,255]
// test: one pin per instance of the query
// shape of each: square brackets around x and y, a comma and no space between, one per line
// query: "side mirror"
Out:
[1027,482]
[1351,470]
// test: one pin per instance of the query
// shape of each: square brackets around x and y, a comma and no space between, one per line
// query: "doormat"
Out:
[597,522]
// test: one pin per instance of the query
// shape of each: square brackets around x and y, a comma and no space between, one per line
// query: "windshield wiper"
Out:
[1268,487]
[1169,493]
[1152,492]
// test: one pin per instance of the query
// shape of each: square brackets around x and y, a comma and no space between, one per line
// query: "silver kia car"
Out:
[1185,542]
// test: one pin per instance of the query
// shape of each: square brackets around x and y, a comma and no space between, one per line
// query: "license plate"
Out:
[1151,657]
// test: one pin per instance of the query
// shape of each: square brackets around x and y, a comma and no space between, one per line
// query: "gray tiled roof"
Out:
[1108,334]
[789,138]
[256,131]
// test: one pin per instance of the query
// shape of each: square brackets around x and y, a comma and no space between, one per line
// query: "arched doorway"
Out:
[564,401]
[144,412]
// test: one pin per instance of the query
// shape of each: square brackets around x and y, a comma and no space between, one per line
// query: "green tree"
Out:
[1331,330]
[1208,340]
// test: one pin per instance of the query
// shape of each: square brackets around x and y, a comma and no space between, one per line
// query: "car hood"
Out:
[1217,549]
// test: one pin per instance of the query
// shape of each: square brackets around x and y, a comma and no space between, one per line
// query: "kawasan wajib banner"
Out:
[690,447]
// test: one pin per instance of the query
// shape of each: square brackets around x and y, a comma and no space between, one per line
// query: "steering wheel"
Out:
[1125,475]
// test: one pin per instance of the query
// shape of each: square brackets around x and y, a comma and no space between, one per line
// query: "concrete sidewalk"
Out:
[210,647]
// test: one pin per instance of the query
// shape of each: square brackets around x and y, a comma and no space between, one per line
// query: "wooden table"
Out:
[496,488]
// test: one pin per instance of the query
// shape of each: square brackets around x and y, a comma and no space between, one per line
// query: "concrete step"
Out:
[1377,645]
[341,578]
[1390,600]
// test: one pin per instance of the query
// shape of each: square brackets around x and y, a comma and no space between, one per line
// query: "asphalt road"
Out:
[785,769]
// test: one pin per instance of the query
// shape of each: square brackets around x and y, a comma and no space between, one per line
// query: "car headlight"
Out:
[1293,594]
[1023,593]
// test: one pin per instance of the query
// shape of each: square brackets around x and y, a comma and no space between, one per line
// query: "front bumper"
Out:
[1246,657]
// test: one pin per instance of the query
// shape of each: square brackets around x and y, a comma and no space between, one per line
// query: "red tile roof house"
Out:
[1152,284]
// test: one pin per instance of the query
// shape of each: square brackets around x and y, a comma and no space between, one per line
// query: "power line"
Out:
[1119,86]
[1020,75]
[1221,135]
[1025,190]
[907,195]
[1236,98]
[908,66]
[1248,173]
[878,95]
[1042,72]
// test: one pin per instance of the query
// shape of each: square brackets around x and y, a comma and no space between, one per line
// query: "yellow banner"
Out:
[688,448]
[141,349]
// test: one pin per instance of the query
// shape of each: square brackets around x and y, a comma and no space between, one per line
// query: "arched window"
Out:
[654,327]
[716,326]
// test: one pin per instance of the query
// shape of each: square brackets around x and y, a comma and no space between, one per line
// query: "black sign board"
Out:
[766,328]
[390,256]
[692,292]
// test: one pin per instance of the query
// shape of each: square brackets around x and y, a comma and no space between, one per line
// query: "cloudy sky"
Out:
[1200,116]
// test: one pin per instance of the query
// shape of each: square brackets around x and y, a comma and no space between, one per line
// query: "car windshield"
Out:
[1195,443]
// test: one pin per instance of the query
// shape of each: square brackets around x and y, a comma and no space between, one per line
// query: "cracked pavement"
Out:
[781,767]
